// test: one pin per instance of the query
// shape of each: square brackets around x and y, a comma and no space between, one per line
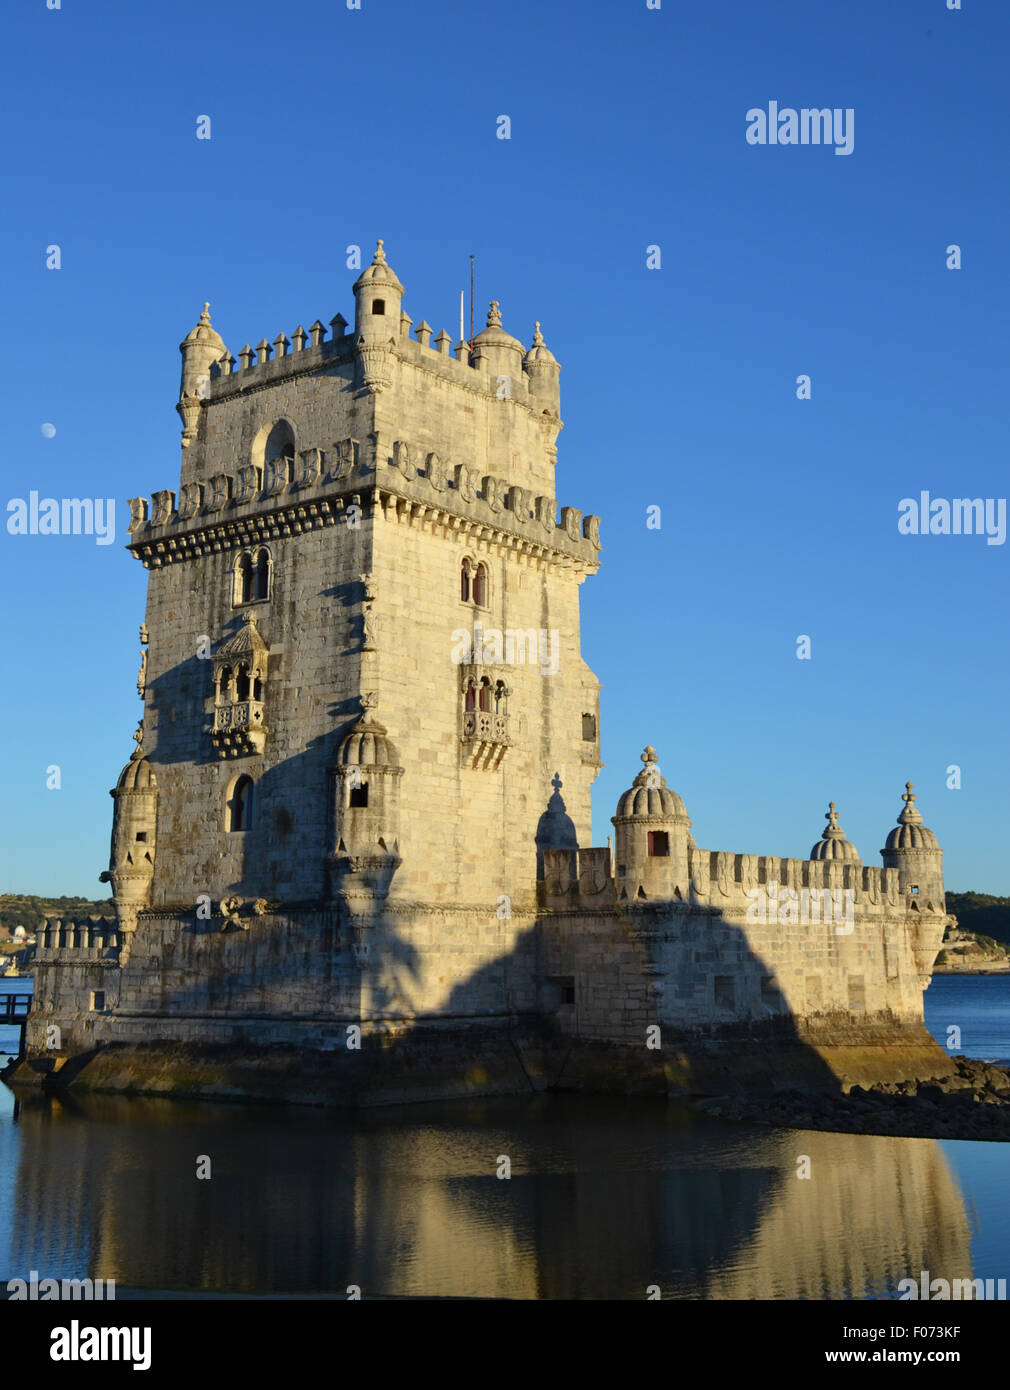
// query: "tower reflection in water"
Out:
[605,1199]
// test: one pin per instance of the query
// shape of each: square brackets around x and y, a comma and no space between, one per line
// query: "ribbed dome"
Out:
[494,335]
[649,795]
[540,354]
[204,333]
[247,641]
[367,746]
[910,833]
[833,844]
[137,776]
[378,273]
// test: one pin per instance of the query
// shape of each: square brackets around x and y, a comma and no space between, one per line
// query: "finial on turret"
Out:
[649,755]
[538,337]
[833,844]
[556,782]
[494,314]
[380,256]
[910,814]
[205,316]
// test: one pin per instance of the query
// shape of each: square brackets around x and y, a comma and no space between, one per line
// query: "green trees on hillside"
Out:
[28,910]
[983,914]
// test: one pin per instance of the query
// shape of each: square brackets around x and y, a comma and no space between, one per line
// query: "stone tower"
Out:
[363,674]
[360,800]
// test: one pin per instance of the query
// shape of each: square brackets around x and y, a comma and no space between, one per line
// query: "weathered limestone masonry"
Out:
[363,693]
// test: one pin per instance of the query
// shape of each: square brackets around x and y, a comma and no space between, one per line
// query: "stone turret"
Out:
[544,371]
[134,831]
[833,844]
[652,837]
[367,804]
[556,830]
[915,852]
[498,353]
[378,305]
[201,348]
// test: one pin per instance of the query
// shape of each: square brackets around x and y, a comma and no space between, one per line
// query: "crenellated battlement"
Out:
[73,941]
[812,890]
[316,488]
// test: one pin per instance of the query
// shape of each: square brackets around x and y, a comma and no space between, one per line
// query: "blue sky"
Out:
[779,516]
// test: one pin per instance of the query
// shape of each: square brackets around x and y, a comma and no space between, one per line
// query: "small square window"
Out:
[659,843]
[915,888]
[379,306]
[97,1000]
[725,992]
[142,837]
[359,795]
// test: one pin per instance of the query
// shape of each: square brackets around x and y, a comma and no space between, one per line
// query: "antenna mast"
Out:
[471,301]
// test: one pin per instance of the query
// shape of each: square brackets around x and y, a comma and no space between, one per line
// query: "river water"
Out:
[606,1197]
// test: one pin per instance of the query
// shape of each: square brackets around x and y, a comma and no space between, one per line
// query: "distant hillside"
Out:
[981,913]
[28,910]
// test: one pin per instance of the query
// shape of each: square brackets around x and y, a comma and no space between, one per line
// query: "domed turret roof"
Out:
[204,333]
[494,335]
[378,273]
[248,641]
[540,354]
[555,828]
[137,775]
[367,745]
[649,795]
[910,833]
[833,844]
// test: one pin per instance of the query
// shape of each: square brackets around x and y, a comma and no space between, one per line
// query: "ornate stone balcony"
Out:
[485,737]
[239,728]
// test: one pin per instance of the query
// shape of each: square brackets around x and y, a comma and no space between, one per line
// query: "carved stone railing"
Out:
[239,728]
[486,727]
[484,737]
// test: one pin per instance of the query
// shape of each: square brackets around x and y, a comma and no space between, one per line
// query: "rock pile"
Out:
[972,1103]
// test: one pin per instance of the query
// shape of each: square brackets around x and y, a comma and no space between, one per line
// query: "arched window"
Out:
[253,574]
[261,575]
[238,810]
[276,441]
[224,690]
[501,698]
[484,695]
[480,586]
[242,683]
[470,699]
[464,581]
[244,578]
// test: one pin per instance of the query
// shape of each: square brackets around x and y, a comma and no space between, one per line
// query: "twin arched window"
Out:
[239,806]
[252,576]
[483,695]
[239,684]
[473,582]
